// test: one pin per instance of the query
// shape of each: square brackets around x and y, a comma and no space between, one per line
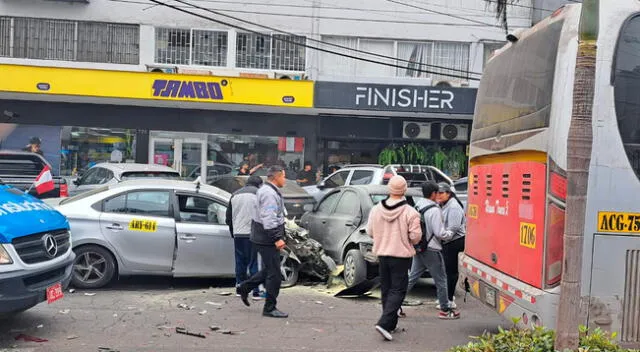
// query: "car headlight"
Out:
[4,256]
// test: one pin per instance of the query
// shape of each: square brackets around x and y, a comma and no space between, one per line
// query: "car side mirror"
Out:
[308,207]
[322,185]
[76,182]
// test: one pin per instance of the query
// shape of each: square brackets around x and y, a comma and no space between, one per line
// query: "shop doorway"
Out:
[188,155]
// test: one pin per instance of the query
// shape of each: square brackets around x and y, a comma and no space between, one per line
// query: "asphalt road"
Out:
[141,314]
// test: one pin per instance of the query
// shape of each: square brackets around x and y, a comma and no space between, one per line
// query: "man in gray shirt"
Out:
[267,235]
[429,250]
[240,214]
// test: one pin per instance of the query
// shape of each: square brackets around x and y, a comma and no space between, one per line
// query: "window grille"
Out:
[52,39]
[209,48]
[191,47]
[5,36]
[277,52]
[48,39]
[108,42]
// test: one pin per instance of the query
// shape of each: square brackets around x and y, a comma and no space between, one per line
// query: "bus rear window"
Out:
[517,85]
[626,87]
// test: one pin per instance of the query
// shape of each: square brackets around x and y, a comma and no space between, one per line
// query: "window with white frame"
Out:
[276,52]
[191,47]
[440,59]
[53,39]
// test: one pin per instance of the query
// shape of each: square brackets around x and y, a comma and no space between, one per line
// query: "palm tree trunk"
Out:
[579,146]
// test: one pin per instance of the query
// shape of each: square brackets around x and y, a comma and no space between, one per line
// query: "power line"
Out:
[326,43]
[311,16]
[442,13]
[305,45]
[321,42]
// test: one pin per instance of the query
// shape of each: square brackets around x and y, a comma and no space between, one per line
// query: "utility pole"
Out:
[579,146]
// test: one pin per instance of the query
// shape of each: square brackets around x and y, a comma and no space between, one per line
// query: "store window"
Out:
[225,154]
[83,147]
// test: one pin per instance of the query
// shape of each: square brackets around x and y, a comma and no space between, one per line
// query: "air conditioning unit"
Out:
[295,76]
[454,132]
[163,69]
[416,130]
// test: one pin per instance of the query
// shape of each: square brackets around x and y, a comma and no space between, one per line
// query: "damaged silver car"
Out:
[339,223]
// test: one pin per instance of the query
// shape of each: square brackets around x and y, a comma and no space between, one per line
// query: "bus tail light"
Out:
[64,190]
[554,248]
[558,186]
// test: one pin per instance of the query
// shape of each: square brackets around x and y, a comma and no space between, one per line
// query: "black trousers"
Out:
[450,252]
[394,278]
[269,276]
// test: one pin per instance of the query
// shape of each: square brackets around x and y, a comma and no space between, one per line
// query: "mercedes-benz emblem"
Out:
[50,245]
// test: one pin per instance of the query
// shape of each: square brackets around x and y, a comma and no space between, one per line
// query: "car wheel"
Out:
[93,267]
[289,269]
[355,268]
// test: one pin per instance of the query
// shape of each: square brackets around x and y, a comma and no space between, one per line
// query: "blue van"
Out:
[35,251]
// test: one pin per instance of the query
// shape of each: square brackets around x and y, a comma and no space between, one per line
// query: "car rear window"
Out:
[149,174]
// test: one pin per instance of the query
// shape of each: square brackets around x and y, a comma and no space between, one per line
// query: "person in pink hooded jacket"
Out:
[395,228]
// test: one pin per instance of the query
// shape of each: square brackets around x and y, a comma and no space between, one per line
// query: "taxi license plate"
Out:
[54,293]
[490,296]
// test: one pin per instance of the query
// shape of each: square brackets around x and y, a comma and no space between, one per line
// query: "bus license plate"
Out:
[54,293]
[490,296]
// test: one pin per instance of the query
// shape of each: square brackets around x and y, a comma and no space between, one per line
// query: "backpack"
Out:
[424,242]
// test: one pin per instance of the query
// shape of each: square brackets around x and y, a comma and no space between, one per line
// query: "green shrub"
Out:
[539,340]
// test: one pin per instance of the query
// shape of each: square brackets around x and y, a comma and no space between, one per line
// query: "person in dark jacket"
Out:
[267,235]
[240,213]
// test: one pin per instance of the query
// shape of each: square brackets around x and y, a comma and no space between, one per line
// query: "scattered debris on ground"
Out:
[203,312]
[90,294]
[72,290]
[214,328]
[213,304]
[184,331]
[107,349]
[186,307]
[72,337]
[64,311]
[224,293]
[29,338]
[40,326]
[411,303]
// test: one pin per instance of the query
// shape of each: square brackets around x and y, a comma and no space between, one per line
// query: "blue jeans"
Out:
[433,261]
[246,259]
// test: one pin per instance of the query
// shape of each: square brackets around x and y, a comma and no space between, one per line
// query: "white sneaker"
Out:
[452,305]
[387,335]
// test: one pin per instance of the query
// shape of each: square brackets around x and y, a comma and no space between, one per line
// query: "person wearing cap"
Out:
[429,250]
[267,235]
[240,212]
[34,146]
[395,228]
[455,223]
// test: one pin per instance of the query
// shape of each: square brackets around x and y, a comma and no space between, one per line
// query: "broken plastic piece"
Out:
[184,331]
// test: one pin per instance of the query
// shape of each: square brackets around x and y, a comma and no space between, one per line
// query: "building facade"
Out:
[406,71]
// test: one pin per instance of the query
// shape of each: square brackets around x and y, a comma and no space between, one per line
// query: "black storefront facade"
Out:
[358,121]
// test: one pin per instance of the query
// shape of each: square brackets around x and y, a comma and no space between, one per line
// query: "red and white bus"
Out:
[517,180]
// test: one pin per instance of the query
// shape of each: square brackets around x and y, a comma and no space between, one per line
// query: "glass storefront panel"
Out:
[70,150]
[83,147]
[225,154]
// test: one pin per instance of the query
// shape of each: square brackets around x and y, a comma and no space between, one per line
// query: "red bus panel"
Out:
[506,218]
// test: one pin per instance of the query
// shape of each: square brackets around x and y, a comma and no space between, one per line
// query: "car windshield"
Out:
[84,195]
[148,174]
